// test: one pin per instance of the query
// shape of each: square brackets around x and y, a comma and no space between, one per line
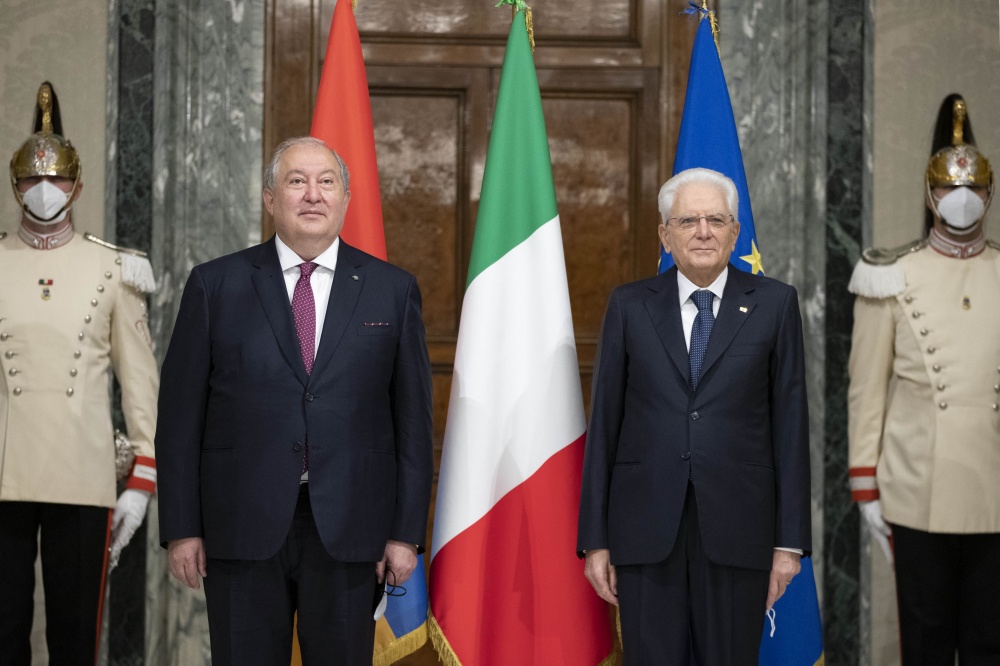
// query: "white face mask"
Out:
[961,209]
[45,200]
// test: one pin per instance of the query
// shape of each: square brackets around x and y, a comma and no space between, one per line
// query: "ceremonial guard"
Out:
[924,409]
[72,307]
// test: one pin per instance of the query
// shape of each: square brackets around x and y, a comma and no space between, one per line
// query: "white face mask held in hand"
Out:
[44,201]
[961,209]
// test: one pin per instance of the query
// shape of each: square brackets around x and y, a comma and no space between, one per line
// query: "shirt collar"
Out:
[288,259]
[45,241]
[685,287]
[957,249]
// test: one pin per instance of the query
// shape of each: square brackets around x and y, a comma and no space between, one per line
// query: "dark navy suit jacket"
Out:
[236,409]
[741,438]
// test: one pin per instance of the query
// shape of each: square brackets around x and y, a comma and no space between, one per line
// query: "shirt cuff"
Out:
[798,551]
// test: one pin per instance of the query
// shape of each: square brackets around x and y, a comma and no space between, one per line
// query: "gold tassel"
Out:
[401,647]
[529,21]
[354,5]
[441,644]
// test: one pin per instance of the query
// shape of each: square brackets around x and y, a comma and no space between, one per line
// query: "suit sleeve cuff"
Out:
[863,484]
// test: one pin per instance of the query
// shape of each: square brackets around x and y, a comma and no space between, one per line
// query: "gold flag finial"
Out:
[958,121]
[354,5]
[515,6]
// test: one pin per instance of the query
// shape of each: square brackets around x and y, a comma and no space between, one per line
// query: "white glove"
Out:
[130,510]
[872,513]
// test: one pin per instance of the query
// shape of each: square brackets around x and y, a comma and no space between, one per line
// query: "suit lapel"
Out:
[348,281]
[665,311]
[273,294]
[737,304]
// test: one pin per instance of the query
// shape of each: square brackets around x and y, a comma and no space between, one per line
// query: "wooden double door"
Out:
[612,75]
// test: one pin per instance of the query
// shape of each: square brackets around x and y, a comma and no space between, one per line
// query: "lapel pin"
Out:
[355,277]
[743,309]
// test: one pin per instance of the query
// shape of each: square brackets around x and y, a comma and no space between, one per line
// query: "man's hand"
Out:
[401,558]
[130,511]
[871,511]
[601,574]
[784,568]
[187,560]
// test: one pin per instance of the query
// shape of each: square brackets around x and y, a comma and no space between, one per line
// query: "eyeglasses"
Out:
[690,222]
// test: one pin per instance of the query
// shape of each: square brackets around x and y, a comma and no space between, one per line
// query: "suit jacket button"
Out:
[695,416]
[297,447]
[686,455]
[309,397]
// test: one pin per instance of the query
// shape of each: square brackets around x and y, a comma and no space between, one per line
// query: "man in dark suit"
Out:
[296,428]
[695,502]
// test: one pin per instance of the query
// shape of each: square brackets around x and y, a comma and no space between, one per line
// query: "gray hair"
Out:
[271,172]
[668,192]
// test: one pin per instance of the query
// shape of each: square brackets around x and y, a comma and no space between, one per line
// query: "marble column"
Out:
[206,146]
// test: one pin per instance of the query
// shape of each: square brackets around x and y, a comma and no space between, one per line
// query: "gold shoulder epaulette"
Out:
[111,246]
[879,257]
[993,244]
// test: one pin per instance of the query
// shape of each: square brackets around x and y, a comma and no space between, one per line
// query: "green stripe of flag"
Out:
[518,195]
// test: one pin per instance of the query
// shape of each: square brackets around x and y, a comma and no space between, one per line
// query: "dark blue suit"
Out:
[236,409]
[740,441]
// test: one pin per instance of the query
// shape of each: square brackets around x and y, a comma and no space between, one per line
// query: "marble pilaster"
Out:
[208,111]
[845,195]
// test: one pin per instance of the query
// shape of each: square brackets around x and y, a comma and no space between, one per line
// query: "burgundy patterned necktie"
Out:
[304,311]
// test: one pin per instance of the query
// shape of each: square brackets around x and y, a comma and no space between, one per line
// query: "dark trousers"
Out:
[252,603]
[74,544]
[689,610]
[948,590]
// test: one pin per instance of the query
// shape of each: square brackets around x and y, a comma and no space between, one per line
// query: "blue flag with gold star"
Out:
[708,139]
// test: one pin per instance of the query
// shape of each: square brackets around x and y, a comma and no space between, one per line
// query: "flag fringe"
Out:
[401,647]
[448,657]
[441,645]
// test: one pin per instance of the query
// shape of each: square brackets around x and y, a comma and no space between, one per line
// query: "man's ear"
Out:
[79,190]
[664,237]
[268,197]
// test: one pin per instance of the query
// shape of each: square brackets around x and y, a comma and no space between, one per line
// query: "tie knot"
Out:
[308,267]
[703,299]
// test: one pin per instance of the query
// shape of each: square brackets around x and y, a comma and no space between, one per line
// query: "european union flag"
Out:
[403,628]
[708,139]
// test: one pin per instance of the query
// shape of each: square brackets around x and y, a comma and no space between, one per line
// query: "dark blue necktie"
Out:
[700,332]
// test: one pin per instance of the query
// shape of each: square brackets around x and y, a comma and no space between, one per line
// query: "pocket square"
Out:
[377,323]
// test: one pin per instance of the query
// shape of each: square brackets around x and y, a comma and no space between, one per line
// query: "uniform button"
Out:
[87,319]
[695,416]
[940,387]
[4,336]
[72,372]
[17,391]
[916,315]
[107,274]
[100,288]
[309,397]
[931,350]
[943,405]
[93,302]
[908,299]
[936,368]
[80,335]
[118,261]
[69,392]
[924,331]
[10,353]
[12,372]
[996,407]
[996,387]
[77,353]
[686,455]
[297,447]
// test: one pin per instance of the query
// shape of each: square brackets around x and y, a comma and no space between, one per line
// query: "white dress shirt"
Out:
[689,310]
[321,279]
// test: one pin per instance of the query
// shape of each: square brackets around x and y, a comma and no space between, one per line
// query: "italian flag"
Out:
[506,586]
